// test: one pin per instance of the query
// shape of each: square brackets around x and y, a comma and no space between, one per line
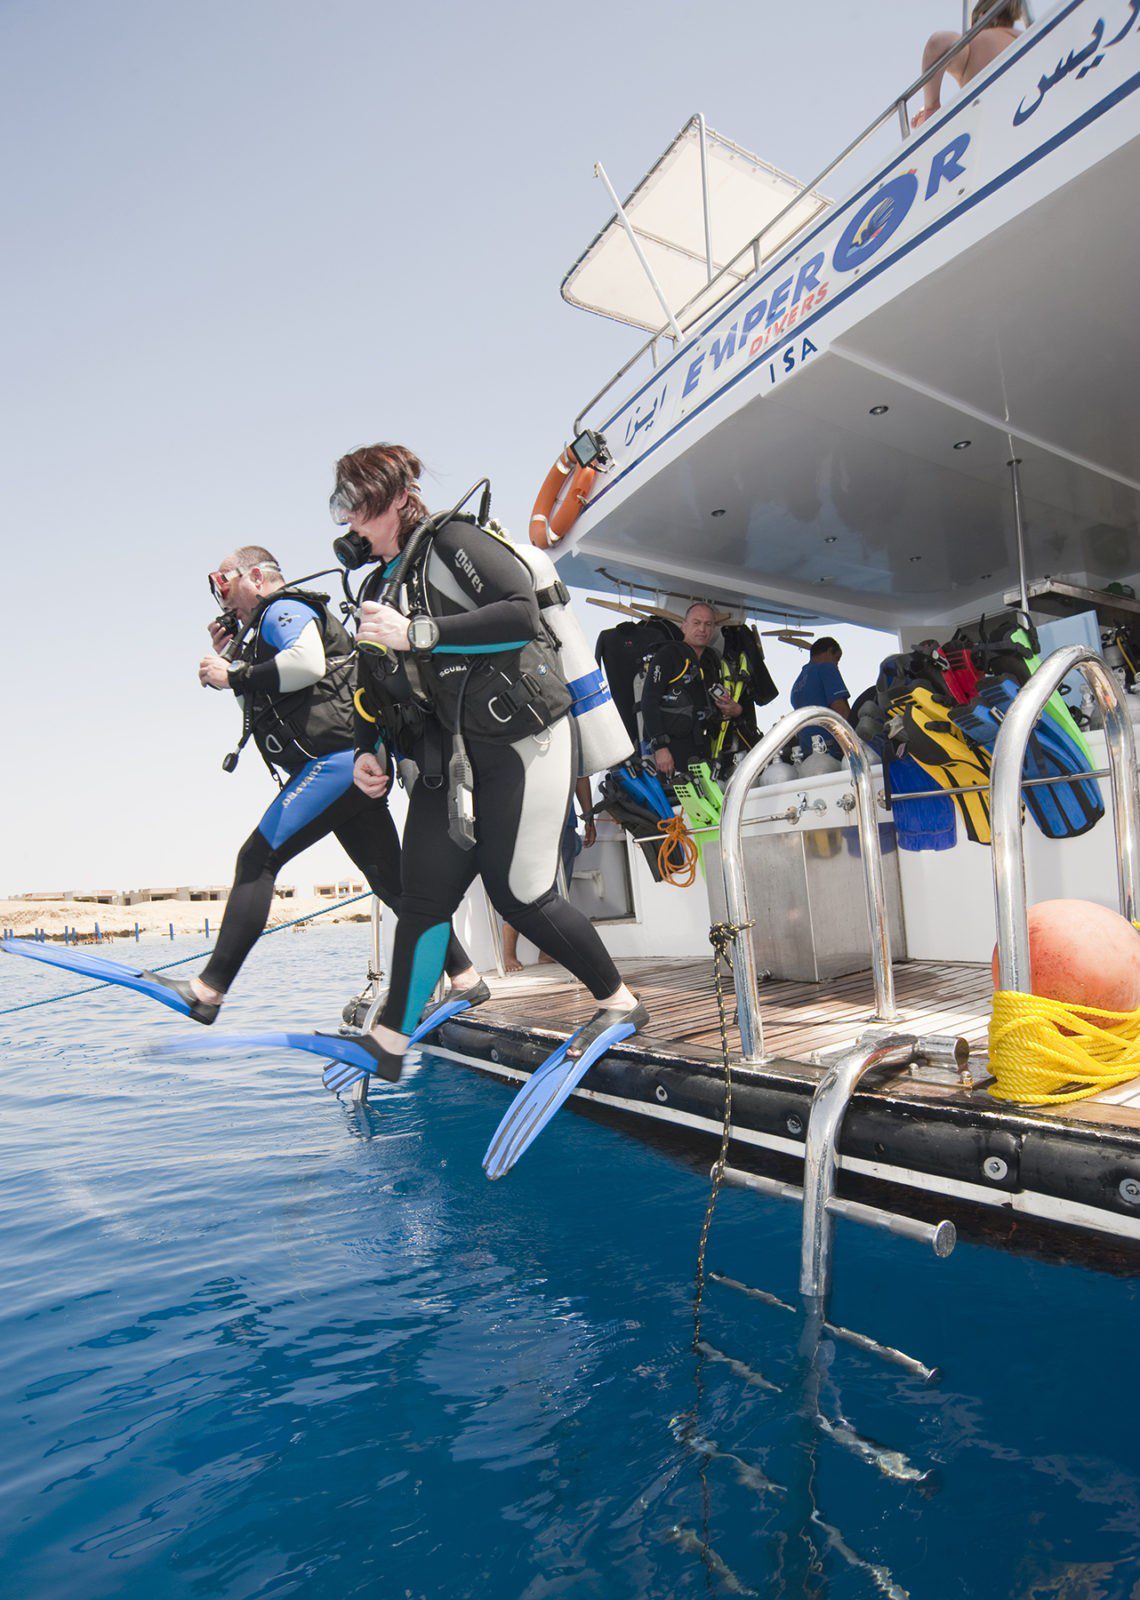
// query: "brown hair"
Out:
[1003,17]
[371,478]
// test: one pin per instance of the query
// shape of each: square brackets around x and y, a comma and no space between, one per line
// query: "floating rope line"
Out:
[29,1005]
[1044,1053]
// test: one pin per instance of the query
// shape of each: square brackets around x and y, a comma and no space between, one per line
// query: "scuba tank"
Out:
[778,771]
[603,740]
[820,760]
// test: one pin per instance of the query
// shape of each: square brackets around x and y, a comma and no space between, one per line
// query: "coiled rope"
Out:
[1043,1052]
[29,1005]
[677,839]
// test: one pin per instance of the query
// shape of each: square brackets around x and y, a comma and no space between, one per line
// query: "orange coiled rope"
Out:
[677,854]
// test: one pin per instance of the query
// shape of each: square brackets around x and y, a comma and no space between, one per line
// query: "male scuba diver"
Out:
[293,674]
[461,677]
[684,700]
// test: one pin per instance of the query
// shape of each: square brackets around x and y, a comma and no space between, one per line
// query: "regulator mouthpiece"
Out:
[352,550]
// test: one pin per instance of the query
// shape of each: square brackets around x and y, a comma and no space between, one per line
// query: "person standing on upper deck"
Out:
[820,683]
[684,700]
[997,35]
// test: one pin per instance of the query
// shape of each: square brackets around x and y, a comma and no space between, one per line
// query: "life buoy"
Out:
[564,492]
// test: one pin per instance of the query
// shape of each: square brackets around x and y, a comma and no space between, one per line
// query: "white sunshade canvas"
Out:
[666,212]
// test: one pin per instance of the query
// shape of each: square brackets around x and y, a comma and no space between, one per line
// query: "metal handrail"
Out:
[821,1154]
[897,108]
[859,759]
[1009,758]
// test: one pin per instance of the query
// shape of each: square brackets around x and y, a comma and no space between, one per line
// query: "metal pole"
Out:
[376,958]
[1005,804]
[1014,464]
[600,172]
[821,1148]
[965,15]
[703,131]
[735,884]
[904,119]
[496,935]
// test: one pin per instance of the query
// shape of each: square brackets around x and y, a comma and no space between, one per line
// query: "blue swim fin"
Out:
[1061,810]
[358,1051]
[920,824]
[173,992]
[551,1085]
[341,1075]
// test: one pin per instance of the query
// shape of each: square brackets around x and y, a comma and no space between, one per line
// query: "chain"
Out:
[722,936]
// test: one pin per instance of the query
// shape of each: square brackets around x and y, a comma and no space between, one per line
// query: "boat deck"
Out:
[800,1021]
[922,1141]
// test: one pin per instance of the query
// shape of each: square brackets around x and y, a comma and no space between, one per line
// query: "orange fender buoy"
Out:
[564,492]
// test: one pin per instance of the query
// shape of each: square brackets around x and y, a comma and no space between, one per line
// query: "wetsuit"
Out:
[492,673]
[622,652]
[295,682]
[676,708]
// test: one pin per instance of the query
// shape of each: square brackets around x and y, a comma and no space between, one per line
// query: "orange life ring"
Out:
[560,502]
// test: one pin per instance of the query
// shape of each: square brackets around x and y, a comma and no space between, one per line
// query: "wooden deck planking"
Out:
[798,1018]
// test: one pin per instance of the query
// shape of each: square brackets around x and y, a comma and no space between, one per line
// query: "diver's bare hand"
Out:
[369,776]
[382,625]
[663,760]
[214,672]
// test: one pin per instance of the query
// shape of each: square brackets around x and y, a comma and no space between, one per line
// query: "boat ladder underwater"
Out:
[886,1044]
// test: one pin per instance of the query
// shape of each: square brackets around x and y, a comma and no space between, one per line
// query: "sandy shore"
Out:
[188,916]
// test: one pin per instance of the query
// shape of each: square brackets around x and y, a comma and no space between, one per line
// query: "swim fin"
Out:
[1062,810]
[920,824]
[943,751]
[340,1075]
[709,788]
[357,1050]
[551,1085]
[173,992]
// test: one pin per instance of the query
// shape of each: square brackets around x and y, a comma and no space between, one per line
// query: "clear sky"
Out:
[244,236]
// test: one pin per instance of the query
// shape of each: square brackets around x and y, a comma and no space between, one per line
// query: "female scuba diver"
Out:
[293,674]
[462,679]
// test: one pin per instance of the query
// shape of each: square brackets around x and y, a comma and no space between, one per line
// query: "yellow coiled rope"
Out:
[677,838]
[1043,1052]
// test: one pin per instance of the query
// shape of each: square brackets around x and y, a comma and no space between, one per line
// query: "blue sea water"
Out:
[257,1342]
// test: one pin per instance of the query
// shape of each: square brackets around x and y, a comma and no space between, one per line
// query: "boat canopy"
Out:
[730,189]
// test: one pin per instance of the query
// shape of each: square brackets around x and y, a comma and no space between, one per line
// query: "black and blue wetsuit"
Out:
[296,684]
[492,672]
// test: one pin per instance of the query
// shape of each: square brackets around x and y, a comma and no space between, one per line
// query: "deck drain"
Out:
[994,1167]
[660,1093]
[795,1124]
[1129,1191]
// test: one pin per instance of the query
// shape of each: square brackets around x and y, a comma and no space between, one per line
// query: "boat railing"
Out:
[859,759]
[898,109]
[1006,780]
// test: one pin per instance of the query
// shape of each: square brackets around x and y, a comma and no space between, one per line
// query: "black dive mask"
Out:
[352,550]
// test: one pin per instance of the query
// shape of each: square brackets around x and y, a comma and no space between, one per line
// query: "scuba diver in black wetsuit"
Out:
[684,698]
[294,674]
[467,686]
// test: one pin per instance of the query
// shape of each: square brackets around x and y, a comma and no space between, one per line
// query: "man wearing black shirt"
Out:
[684,700]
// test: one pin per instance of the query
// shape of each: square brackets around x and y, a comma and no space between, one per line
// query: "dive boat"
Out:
[897,396]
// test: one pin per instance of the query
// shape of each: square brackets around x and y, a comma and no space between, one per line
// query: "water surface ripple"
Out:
[256,1342]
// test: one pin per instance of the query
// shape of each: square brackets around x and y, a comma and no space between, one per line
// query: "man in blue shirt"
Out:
[821,684]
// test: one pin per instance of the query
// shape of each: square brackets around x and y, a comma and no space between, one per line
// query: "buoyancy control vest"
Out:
[292,728]
[495,695]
